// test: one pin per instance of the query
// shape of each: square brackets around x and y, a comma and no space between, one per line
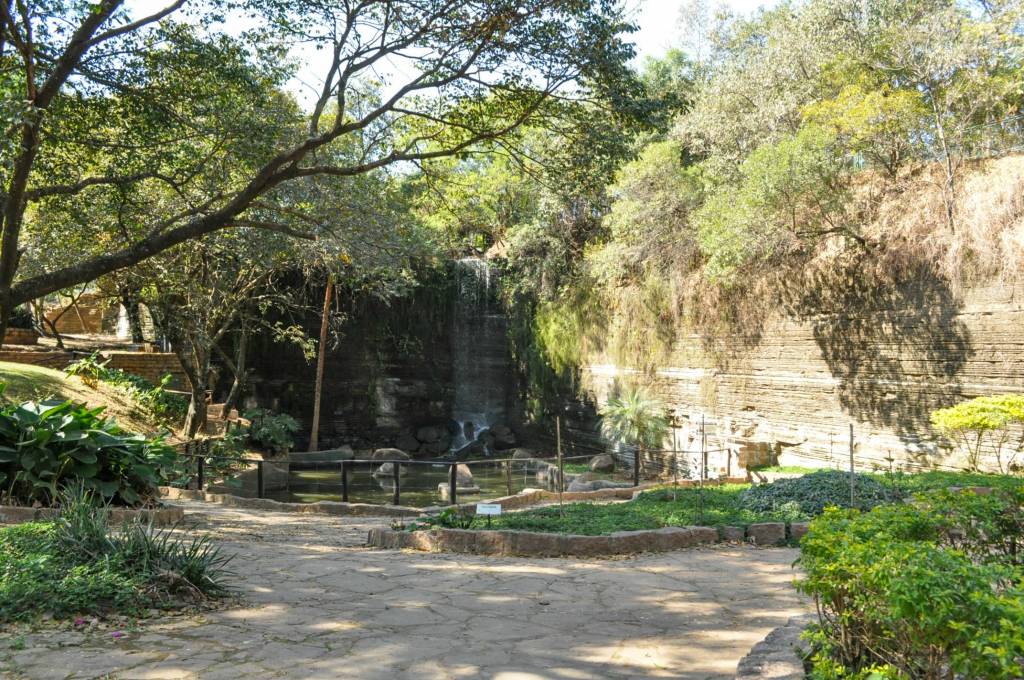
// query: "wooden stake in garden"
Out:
[853,479]
[314,434]
[561,464]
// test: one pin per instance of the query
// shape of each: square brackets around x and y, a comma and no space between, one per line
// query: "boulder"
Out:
[798,530]
[523,454]
[504,438]
[501,430]
[767,533]
[463,476]
[344,452]
[732,534]
[390,454]
[444,491]
[388,469]
[407,442]
[602,463]
[595,485]
[429,434]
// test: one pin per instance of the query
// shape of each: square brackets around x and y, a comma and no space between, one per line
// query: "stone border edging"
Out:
[509,542]
[318,508]
[534,544]
[777,657]
[161,517]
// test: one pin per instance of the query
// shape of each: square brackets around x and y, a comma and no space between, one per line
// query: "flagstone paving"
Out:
[316,604]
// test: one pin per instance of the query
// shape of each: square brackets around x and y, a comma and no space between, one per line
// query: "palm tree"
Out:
[635,419]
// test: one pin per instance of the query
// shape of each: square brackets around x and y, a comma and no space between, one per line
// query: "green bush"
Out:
[981,422]
[814,492]
[76,565]
[930,589]
[271,431]
[45,445]
[157,401]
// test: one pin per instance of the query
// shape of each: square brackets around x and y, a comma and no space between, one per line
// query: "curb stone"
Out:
[778,656]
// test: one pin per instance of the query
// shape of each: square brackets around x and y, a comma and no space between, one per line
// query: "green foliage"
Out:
[635,419]
[981,421]
[21,317]
[714,506]
[158,402]
[271,431]
[818,490]
[78,565]
[46,445]
[921,590]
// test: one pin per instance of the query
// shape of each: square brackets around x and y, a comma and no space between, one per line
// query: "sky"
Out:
[658,22]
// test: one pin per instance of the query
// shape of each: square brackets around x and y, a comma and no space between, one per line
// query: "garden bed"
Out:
[541,544]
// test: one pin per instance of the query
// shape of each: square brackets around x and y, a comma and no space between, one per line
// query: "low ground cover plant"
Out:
[813,492]
[930,589]
[45,445]
[155,399]
[79,565]
[714,506]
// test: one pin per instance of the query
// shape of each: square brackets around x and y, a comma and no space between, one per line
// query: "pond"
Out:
[418,487]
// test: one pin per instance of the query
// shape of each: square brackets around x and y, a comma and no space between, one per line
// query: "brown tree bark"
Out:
[321,352]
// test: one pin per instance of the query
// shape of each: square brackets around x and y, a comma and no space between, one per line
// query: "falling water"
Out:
[480,362]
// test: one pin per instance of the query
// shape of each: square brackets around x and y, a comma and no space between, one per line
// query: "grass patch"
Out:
[78,566]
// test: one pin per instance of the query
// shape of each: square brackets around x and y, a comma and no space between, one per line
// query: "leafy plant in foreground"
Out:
[45,445]
[271,431]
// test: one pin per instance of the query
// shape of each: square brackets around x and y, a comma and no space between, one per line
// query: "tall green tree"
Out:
[88,86]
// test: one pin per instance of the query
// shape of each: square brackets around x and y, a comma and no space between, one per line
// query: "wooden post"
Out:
[344,481]
[452,478]
[508,476]
[260,489]
[200,472]
[853,494]
[703,466]
[314,434]
[561,464]
[397,471]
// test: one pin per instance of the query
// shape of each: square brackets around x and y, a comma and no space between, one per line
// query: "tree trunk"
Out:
[314,434]
[196,365]
[239,371]
[130,301]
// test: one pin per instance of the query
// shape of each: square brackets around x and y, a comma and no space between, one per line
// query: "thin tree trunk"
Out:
[314,434]
[130,300]
[197,368]
[239,372]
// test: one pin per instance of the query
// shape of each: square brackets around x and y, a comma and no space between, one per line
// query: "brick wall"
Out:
[150,365]
[56,360]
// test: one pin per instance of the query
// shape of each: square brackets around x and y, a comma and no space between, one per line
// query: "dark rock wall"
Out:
[391,373]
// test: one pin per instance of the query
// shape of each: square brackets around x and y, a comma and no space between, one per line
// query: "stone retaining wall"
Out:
[150,365]
[165,516]
[318,508]
[537,544]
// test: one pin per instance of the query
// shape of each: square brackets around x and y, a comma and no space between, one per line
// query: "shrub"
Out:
[21,317]
[44,445]
[156,399]
[78,565]
[981,421]
[924,590]
[271,431]
[814,492]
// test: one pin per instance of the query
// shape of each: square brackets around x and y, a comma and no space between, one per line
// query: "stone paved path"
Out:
[318,605]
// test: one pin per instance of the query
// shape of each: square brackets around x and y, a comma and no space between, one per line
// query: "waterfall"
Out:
[480,360]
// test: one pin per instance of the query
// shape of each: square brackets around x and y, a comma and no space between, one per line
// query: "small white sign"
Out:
[488,508]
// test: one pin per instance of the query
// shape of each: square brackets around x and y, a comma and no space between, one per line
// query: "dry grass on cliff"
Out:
[986,241]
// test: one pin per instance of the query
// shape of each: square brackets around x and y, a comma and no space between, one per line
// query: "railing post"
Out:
[508,477]
[452,475]
[397,470]
[200,482]
[344,481]
[636,466]
[260,488]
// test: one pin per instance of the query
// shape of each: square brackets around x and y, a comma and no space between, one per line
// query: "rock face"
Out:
[602,463]
[882,358]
